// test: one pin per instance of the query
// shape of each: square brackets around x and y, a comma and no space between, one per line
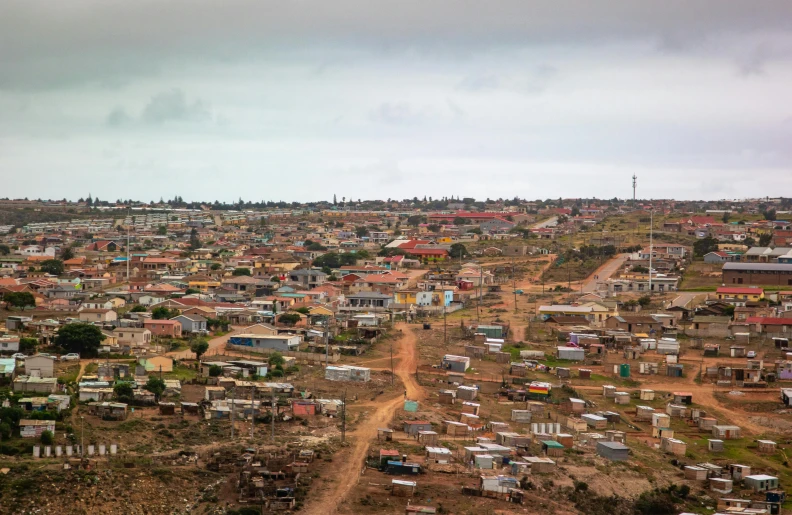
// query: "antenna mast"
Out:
[635,184]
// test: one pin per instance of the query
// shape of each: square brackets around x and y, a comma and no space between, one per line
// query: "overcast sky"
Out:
[301,99]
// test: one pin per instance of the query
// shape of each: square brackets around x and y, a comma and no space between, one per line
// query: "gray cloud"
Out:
[172,106]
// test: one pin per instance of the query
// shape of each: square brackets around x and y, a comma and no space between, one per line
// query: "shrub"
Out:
[47,438]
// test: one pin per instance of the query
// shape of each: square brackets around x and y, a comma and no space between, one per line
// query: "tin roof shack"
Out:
[722,486]
[402,467]
[483,461]
[739,472]
[108,410]
[595,421]
[695,473]
[510,439]
[428,438]
[303,408]
[648,368]
[662,432]
[411,427]
[614,451]
[714,445]
[454,428]
[576,424]
[456,363]
[190,408]
[438,455]
[571,353]
[471,407]
[521,416]
[214,393]
[573,406]
[552,448]
[35,384]
[706,423]
[474,351]
[347,373]
[667,346]
[661,420]
[727,432]
[643,413]
[497,486]
[447,396]
[767,446]
[676,410]
[34,428]
[761,482]
[468,393]
[401,487]
[683,398]
[280,342]
[673,446]
[384,433]
[622,398]
[387,455]
[167,408]
[608,391]
[539,465]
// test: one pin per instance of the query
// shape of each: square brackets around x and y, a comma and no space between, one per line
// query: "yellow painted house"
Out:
[406,297]
[727,293]
[202,282]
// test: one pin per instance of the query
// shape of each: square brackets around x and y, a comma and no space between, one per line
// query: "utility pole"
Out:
[391,361]
[252,411]
[445,322]
[127,249]
[635,183]
[651,247]
[343,419]
[327,341]
[82,436]
[272,418]
[233,411]
[481,292]
[514,286]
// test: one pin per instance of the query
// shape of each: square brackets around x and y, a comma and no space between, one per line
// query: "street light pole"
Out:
[82,436]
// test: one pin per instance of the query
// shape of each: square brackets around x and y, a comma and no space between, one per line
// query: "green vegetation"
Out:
[199,347]
[83,339]
[19,299]
[241,271]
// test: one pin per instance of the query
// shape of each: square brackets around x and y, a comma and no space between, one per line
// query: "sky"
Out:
[298,100]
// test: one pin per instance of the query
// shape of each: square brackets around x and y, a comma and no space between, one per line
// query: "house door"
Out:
[739,280]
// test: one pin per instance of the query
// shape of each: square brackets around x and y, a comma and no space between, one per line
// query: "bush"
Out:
[47,438]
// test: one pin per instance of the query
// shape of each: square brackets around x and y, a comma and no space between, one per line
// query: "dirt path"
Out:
[216,346]
[351,462]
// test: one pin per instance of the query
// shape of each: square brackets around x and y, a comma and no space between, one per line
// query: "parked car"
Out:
[18,355]
[70,357]
[751,353]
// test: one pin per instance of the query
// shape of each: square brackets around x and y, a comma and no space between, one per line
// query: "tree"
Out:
[156,386]
[644,301]
[215,371]
[316,247]
[47,438]
[765,239]
[640,269]
[575,211]
[199,347]
[726,217]
[52,266]
[289,318]
[361,231]
[67,253]
[28,345]
[19,299]
[162,230]
[215,266]
[461,221]
[276,359]
[705,246]
[191,291]
[433,227]
[123,392]
[4,249]
[458,250]
[138,309]
[241,271]
[769,214]
[416,220]
[163,313]
[303,310]
[80,338]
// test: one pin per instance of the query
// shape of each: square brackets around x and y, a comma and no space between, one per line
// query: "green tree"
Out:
[304,310]
[4,249]
[575,211]
[52,266]
[769,214]
[162,230]
[215,266]
[361,231]
[289,318]
[5,431]
[47,438]
[199,347]
[19,299]
[215,371]
[705,246]
[156,386]
[191,291]
[67,253]
[163,313]
[138,309]
[80,338]
[416,220]
[765,239]
[644,301]
[458,250]
[241,271]
[28,345]
[461,221]
[123,392]
[195,243]
[276,359]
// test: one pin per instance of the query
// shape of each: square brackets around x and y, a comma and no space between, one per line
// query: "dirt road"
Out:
[216,345]
[603,273]
[350,462]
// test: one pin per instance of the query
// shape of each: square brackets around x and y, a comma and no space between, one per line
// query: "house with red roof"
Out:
[768,325]
[738,296]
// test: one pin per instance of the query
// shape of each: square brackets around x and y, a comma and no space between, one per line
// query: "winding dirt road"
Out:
[350,462]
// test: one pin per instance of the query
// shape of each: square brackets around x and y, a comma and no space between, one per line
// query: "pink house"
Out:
[166,328]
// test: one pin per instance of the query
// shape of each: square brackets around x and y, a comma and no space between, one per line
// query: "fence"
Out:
[303,356]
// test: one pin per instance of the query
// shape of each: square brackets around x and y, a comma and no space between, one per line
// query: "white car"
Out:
[751,353]
[70,357]
[18,355]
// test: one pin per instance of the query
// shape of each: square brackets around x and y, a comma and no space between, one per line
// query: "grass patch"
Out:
[182,373]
